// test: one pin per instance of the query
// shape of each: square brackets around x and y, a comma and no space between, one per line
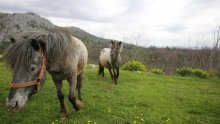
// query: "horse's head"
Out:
[25,59]
[116,48]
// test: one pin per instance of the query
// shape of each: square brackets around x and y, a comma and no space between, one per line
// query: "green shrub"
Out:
[185,71]
[157,71]
[201,73]
[133,66]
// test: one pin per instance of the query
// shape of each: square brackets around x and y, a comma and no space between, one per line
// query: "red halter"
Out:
[35,82]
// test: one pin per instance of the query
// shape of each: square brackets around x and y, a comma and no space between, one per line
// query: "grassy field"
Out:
[138,98]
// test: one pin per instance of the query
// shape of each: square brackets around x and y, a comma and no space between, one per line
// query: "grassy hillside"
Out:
[138,98]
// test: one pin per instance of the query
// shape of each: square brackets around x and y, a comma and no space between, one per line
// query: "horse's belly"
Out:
[105,64]
[104,57]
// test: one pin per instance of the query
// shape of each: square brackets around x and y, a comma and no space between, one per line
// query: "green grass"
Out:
[138,98]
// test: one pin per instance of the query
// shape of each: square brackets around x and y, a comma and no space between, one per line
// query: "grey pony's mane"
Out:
[58,46]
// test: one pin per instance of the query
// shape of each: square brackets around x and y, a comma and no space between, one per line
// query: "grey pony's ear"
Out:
[35,44]
[121,46]
[13,40]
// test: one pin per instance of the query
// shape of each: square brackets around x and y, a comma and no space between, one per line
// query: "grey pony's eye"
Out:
[33,68]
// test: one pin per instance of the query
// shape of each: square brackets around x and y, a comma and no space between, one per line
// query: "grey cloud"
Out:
[15,8]
[175,28]
[204,1]
[81,10]
[197,7]
[137,6]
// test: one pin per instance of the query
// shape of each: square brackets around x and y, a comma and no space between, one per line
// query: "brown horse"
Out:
[110,58]
[64,56]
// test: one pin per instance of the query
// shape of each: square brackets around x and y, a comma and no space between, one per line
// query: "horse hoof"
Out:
[62,116]
[79,104]
[81,99]
[114,81]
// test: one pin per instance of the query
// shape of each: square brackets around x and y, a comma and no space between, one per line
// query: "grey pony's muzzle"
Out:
[17,102]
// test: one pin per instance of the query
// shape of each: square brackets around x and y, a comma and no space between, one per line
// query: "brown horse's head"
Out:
[25,59]
[116,48]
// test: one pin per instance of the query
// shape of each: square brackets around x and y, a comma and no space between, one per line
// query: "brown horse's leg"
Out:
[114,75]
[77,104]
[103,72]
[117,70]
[61,99]
[79,85]
[110,71]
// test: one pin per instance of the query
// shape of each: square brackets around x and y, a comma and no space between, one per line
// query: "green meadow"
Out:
[139,97]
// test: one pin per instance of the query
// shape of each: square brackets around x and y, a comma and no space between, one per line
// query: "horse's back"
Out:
[82,54]
[104,57]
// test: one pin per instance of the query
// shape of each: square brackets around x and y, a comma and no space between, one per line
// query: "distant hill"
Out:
[11,24]
[19,22]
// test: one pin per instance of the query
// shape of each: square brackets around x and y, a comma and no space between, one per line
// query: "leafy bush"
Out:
[185,71]
[201,73]
[157,71]
[133,66]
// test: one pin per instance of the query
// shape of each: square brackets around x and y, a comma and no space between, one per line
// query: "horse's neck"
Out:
[117,60]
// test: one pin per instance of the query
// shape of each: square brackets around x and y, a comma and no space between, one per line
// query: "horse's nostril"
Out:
[13,107]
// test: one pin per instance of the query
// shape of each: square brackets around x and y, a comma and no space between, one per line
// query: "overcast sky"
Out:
[161,23]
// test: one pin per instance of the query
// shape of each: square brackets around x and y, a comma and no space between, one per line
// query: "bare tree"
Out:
[214,53]
[217,37]
[135,48]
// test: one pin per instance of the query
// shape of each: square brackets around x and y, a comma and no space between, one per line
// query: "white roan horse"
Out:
[110,58]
